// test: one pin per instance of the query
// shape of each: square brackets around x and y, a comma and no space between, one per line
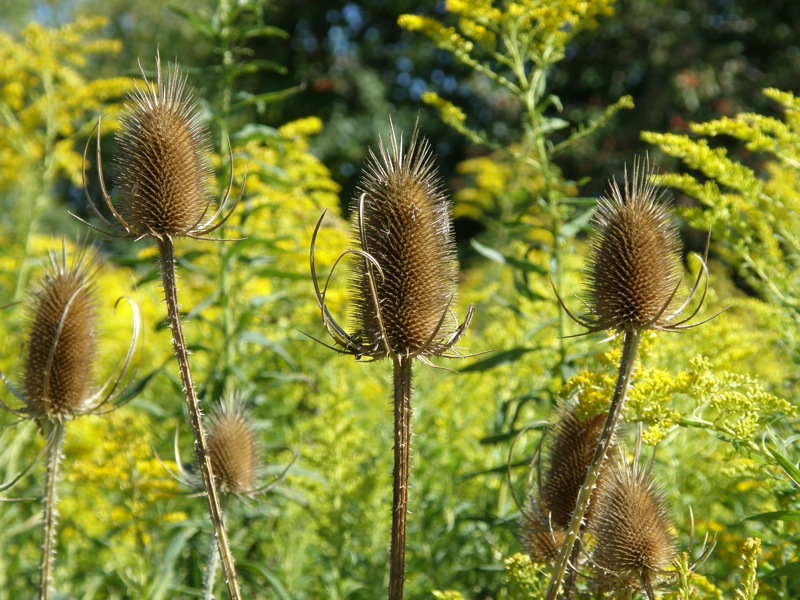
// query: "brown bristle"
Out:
[404,223]
[162,164]
[57,377]
[635,258]
[570,448]
[633,531]
[234,450]
[538,539]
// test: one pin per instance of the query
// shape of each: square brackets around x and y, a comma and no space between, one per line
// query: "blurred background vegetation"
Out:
[300,90]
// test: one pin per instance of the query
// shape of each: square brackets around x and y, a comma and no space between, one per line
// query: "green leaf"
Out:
[252,133]
[501,358]
[789,570]
[269,576]
[779,515]
[576,225]
[266,98]
[787,465]
[267,31]
[504,259]
[201,26]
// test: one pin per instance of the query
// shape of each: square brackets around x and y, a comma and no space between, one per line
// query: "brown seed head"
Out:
[634,258]
[403,222]
[162,164]
[57,377]
[569,452]
[234,449]
[635,538]
[539,539]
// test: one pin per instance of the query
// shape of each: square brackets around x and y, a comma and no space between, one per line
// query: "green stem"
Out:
[49,517]
[402,460]
[166,255]
[629,349]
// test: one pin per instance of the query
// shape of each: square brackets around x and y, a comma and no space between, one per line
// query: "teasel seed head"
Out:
[635,538]
[234,448]
[569,451]
[162,165]
[61,340]
[404,281]
[539,539]
[635,267]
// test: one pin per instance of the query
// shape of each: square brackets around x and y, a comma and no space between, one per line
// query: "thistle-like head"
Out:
[60,345]
[404,281]
[635,539]
[234,448]
[162,164]
[634,265]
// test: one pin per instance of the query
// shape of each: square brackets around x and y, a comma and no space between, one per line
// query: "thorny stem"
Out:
[167,257]
[50,515]
[629,349]
[402,455]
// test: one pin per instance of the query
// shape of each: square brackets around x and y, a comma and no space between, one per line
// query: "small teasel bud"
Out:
[634,534]
[234,449]
[402,220]
[539,539]
[162,164]
[568,453]
[634,258]
[57,376]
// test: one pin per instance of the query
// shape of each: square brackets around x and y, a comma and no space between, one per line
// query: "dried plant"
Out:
[164,172]
[633,278]
[58,379]
[403,288]
[634,533]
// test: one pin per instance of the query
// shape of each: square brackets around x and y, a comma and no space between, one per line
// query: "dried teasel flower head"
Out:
[635,264]
[567,455]
[634,534]
[234,448]
[405,276]
[162,165]
[538,538]
[61,341]
[57,381]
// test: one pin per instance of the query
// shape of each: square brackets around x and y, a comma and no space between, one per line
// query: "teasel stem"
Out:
[167,257]
[402,467]
[50,515]
[630,347]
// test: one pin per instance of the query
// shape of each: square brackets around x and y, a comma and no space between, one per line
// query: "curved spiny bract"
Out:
[402,302]
[633,529]
[162,161]
[61,341]
[634,258]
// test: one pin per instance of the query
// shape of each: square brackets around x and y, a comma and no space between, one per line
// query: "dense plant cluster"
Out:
[264,469]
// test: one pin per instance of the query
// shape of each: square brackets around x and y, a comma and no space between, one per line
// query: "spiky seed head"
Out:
[162,163]
[402,220]
[634,257]
[61,336]
[568,454]
[539,539]
[233,448]
[635,538]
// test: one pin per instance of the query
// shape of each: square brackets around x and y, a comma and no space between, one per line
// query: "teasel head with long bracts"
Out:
[634,536]
[236,452]
[162,165]
[403,284]
[57,382]
[635,267]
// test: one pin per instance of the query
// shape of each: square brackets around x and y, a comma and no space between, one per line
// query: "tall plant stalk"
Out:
[49,516]
[629,350]
[402,368]
[167,259]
